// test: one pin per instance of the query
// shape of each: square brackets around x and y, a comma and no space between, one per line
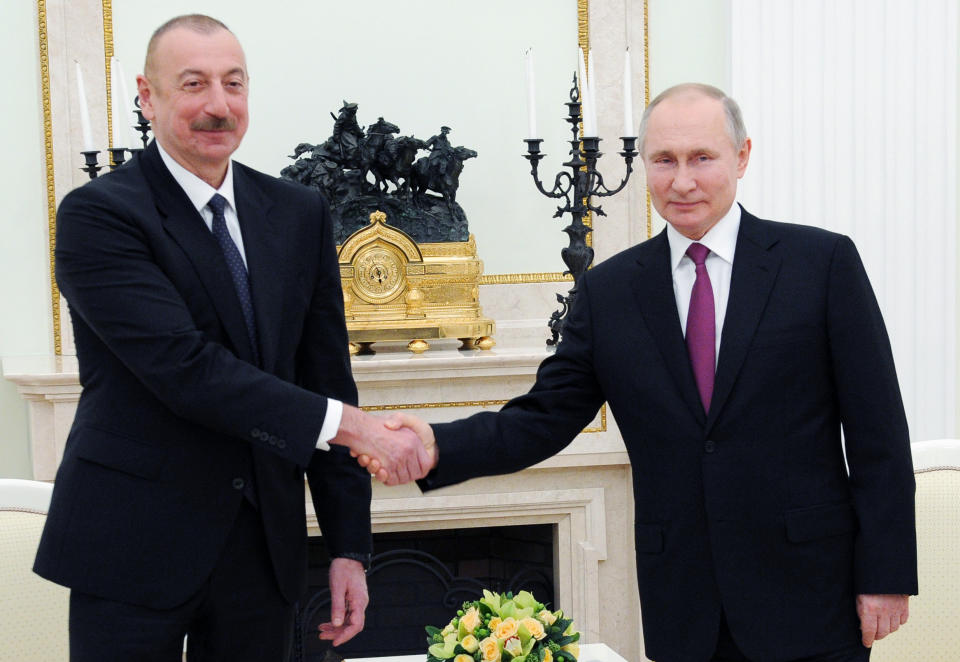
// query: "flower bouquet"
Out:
[504,628]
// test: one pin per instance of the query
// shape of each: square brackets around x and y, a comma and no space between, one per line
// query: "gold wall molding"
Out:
[48,160]
[516,279]
[476,403]
[646,98]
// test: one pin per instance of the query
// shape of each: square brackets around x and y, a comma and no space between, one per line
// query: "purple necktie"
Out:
[702,326]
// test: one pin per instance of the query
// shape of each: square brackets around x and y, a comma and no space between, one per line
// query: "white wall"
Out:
[24,267]
[850,106]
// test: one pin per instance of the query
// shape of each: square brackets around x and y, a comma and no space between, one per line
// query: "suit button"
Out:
[272,440]
[238,483]
[281,443]
[255,433]
[709,446]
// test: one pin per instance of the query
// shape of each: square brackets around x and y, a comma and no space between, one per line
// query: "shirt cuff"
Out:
[331,423]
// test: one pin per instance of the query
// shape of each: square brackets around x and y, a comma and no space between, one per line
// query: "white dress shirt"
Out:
[199,192]
[721,239]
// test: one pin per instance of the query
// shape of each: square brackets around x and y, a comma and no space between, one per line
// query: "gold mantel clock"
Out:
[395,289]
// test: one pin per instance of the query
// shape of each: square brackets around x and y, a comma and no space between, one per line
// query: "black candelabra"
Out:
[576,188]
[118,154]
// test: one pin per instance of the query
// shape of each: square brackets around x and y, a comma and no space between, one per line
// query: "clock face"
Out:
[378,274]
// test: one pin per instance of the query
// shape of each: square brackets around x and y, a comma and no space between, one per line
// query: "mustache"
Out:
[214,124]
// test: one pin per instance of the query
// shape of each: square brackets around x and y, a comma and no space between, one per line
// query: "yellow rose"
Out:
[513,646]
[534,627]
[490,650]
[547,617]
[548,656]
[463,658]
[494,622]
[507,628]
[470,620]
[470,644]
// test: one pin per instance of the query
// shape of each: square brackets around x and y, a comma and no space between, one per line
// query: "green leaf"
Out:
[525,600]
[432,631]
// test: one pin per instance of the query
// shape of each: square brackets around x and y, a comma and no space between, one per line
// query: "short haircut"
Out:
[735,126]
[197,22]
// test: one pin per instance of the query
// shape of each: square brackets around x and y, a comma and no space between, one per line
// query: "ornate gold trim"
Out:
[477,403]
[583,40]
[48,148]
[646,97]
[516,279]
[107,65]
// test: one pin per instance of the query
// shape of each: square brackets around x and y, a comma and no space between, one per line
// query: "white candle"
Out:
[584,97]
[592,77]
[531,96]
[84,112]
[125,110]
[628,128]
[115,104]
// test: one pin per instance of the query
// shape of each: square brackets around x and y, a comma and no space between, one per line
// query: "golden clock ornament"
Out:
[395,289]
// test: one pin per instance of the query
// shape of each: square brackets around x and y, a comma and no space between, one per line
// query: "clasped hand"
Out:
[396,450]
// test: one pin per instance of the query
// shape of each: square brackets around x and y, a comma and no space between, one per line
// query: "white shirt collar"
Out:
[196,189]
[721,239]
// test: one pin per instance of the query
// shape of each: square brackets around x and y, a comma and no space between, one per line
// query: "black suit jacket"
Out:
[748,508]
[175,423]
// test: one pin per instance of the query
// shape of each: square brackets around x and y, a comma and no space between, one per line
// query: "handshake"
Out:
[396,450]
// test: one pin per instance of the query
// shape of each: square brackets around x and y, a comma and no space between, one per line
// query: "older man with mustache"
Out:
[208,318]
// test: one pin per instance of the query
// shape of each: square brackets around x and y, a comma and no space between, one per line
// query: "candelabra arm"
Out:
[601,189]
[558,190]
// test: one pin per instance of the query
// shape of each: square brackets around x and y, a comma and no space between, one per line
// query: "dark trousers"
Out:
[237,615]
[727,651]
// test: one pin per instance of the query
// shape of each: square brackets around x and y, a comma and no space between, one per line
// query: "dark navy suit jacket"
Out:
[747,509]
[175,423]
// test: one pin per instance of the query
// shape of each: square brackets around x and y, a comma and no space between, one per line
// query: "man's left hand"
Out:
[880,615]
[348,601]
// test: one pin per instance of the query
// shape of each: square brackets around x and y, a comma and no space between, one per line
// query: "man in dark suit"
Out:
[208,321]
[732,351]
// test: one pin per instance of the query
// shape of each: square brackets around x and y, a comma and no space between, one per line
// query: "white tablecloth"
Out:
[588,653]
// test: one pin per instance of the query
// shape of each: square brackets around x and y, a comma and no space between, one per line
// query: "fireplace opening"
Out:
[420,578]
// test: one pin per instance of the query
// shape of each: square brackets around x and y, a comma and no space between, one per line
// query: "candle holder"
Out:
[577,188]
[117,157]
[142,125]
[118,154]
[91,167]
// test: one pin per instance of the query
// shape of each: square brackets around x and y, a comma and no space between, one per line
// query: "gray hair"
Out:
[735,126]
[200,23]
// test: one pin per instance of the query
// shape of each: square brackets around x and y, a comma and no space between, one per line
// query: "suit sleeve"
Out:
[340,488]
[875,431]
[531,427]
[106,270]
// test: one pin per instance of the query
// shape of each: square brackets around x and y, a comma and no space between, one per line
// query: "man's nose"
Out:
[217,102]
[684,180]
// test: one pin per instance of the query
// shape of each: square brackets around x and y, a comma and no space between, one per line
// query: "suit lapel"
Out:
[261,241]
[186,227]
[653,288]
[755,268]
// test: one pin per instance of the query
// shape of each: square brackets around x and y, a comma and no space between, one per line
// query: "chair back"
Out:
[931,634]
[33,611]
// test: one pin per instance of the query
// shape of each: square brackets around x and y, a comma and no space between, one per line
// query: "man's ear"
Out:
[743,157]
[145,92]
